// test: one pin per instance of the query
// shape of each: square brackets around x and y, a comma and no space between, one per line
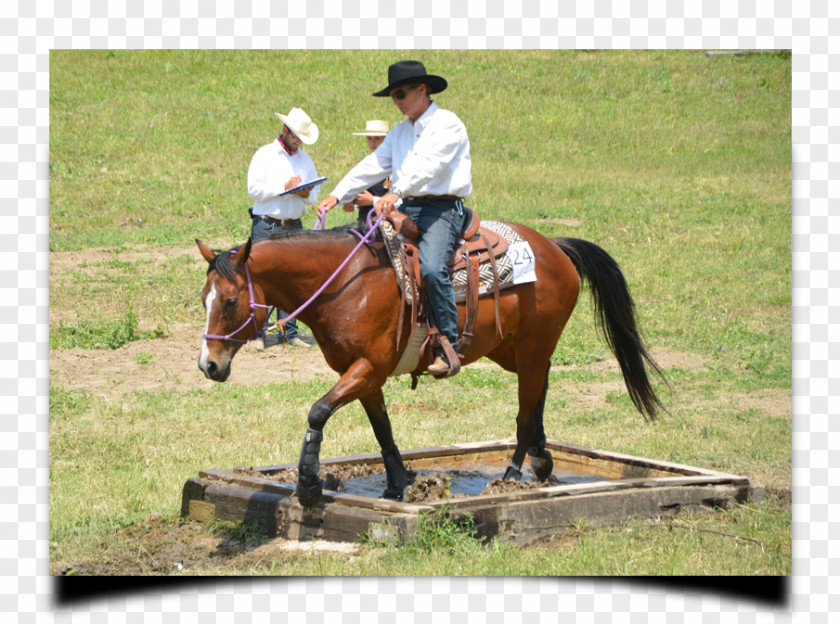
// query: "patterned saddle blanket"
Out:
[509,264]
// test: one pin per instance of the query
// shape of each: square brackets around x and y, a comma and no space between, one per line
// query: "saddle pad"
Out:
[504,263]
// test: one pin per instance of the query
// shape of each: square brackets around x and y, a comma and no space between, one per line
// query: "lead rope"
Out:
[371,233]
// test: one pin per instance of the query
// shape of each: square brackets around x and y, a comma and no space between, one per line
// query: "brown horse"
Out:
[355,322]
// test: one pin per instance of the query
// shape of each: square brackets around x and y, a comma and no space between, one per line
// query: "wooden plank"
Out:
[193,490]
[631,459]
[246,480]
[379,504]
[245,505]
[527,522]
[576,489]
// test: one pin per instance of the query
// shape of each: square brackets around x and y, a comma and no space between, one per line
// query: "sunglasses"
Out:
[401,93]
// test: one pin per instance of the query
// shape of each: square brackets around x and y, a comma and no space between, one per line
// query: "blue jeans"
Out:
[440,224]
[262,229]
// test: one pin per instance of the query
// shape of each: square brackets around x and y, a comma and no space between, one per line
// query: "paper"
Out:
[523,260]
[314,182]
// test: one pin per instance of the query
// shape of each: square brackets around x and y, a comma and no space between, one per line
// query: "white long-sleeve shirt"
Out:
[271,167]
[428,157]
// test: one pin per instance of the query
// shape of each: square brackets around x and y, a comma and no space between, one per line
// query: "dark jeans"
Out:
[261,229]
[440,223]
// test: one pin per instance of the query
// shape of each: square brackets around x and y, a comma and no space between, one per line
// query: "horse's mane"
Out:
[222,264]
[224,267]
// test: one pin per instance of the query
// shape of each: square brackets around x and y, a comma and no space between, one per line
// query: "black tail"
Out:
[615,312]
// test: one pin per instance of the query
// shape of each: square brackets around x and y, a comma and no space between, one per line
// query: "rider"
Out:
[427,157]
[375,132]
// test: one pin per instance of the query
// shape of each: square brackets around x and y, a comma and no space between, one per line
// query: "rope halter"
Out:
[252,318]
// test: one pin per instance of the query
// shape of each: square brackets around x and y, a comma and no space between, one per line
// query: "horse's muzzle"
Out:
[213,371]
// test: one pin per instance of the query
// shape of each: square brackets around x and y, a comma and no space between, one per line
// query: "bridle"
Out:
[252,318]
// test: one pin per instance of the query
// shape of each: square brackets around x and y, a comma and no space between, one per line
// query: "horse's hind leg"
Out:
[530,434]
[532,370]
[395,472]
[541,461]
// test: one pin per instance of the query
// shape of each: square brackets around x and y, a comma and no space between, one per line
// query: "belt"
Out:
[283,222]
[433,197]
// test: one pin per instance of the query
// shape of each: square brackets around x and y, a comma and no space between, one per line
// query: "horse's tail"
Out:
[615,312]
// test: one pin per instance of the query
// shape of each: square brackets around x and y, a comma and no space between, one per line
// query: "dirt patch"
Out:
[162,547]
[556,221]
[66,261]
[172,364]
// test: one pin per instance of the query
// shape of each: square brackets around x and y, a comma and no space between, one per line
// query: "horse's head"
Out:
[233,313]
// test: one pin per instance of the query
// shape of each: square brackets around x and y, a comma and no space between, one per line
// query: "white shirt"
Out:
[428,157]
[270,169]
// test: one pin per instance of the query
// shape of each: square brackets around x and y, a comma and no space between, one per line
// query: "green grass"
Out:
[678,165]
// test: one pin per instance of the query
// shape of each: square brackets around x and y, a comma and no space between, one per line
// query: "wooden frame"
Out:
[628,486]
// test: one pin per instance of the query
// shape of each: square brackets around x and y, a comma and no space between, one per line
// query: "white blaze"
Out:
[205,350]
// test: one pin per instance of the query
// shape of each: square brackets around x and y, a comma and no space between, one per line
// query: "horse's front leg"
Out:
[395,472]
[356,381]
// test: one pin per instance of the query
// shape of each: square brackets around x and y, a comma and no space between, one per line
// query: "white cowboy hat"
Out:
[374,127]
[299,122]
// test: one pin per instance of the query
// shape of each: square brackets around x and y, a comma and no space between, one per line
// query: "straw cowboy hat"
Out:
[411,72]
[374,127]
[299,122]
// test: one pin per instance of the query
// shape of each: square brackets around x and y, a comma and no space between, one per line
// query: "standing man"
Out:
[375,132]
[276,168]
[427,157]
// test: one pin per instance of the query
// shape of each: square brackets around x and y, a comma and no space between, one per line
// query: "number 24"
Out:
[521,255]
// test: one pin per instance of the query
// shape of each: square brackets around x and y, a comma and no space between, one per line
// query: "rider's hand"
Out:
[386,203]
[327,205]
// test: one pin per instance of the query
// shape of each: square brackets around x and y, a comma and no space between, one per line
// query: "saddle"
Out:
[476,246]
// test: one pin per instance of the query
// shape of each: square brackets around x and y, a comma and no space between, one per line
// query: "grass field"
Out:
[677,164]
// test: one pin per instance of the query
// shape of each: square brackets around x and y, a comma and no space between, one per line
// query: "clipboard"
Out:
[299,187]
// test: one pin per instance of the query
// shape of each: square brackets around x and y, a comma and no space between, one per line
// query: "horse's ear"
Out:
[205,251]
[242,254]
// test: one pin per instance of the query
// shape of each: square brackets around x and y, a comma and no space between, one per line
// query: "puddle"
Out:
[460,482]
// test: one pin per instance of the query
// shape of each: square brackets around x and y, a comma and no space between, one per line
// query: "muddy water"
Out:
[427,484]
[430,484]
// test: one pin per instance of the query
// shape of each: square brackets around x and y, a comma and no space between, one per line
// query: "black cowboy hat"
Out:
[411,72]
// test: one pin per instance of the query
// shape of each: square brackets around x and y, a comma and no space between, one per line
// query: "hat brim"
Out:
[435,84]
[307,139]
[379,134]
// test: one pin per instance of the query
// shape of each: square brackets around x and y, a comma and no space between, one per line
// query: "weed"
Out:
[442,531]
[102,333]
[144,358]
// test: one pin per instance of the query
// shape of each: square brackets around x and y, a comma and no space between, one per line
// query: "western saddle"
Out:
[475,246]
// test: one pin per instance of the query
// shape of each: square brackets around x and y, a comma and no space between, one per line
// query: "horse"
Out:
[356,322]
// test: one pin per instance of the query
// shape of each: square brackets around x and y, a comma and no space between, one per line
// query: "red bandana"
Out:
[290,152]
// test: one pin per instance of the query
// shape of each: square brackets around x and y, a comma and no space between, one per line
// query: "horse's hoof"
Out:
[309,490]
[512,474]
[542,465]
[394,494]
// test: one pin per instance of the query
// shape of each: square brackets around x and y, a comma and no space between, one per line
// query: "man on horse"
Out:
[427,157]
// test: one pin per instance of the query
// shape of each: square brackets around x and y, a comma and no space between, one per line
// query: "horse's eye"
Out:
[231,303]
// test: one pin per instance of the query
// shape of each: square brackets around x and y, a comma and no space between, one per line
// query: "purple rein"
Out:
[252,318]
